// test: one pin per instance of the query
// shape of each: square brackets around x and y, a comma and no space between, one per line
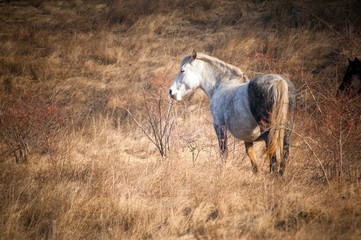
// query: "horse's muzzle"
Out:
[171,95]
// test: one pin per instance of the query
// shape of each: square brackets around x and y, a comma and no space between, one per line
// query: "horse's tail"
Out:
[278,117]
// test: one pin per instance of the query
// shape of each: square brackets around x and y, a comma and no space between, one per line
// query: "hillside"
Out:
[83,90]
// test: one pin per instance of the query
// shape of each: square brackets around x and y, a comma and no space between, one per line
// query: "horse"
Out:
[251,110]
[351,82]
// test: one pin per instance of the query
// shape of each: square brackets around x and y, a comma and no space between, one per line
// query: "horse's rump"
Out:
[272,99]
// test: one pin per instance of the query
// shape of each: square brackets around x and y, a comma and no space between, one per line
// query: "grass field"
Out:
[91,147]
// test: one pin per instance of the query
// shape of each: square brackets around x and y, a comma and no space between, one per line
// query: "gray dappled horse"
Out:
[260,109]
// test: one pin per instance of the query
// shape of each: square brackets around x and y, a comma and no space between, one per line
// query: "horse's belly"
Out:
[247,133]
[239,118]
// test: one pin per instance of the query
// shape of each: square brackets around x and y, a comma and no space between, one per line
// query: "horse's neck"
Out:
[213,78]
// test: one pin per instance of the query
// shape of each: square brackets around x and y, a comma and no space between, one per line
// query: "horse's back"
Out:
[260,96]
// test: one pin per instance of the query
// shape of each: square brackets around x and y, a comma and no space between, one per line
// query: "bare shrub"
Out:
[341,135]
[28,123]
[158,114]
[158,123]
[335,131]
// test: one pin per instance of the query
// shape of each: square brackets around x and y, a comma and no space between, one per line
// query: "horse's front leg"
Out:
[221,132]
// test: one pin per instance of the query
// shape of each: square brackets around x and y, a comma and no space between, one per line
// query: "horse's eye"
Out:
[182,70]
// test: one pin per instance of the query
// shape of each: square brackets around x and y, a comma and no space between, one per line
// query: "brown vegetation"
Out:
[74,163]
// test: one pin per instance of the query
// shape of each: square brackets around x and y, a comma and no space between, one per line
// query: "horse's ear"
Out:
[194,54]
[349,61]
[356,59]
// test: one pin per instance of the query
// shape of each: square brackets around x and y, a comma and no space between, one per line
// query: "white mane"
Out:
[228,71]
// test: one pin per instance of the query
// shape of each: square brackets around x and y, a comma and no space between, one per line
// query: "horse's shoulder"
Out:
[216,112]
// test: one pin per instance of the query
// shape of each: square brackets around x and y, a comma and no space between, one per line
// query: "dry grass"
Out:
[72,71]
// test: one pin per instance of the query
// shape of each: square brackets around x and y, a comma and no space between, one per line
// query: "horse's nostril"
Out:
[170,92]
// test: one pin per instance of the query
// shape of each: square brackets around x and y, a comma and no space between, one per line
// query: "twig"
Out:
[141,127]
[159,122]
[314,154]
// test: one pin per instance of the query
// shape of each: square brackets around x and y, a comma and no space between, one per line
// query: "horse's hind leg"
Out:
[273,166]
[286,143]
[251,155]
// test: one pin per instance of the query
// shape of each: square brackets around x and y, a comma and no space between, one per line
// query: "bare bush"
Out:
[335,132]
[341,135]
[159,121]
[27,124]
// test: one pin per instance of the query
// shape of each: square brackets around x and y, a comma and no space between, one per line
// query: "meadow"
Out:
[91,146]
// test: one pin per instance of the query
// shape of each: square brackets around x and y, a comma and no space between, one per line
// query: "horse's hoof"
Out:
[273,167]
[255,169]
[282,169]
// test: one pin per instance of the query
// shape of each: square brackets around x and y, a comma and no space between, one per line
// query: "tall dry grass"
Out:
[73,78]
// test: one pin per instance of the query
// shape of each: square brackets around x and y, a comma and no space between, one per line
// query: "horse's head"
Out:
[353,69]
[352,79]
[188,78]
